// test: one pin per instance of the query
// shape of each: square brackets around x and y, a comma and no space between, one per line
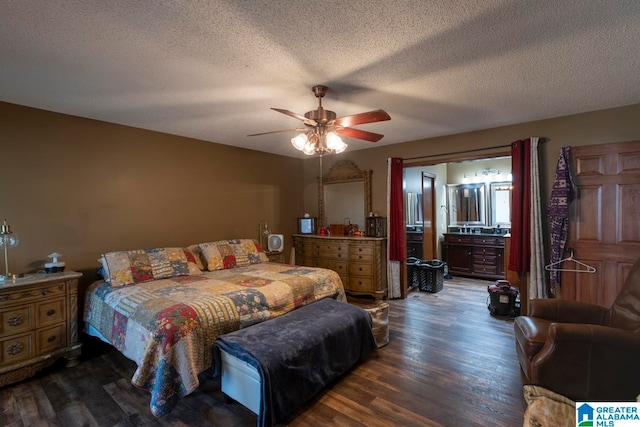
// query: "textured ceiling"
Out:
[211,70]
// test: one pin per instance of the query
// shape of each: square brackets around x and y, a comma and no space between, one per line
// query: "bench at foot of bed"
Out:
[275,366]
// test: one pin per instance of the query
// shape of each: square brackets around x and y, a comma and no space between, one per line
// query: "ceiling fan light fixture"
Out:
[341,147]
[309,149]
[299,141]
[333,140]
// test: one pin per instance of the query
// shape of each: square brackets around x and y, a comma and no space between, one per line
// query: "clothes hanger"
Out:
[587,269]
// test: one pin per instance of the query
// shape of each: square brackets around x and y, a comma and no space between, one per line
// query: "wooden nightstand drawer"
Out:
[38,324]
[16,320]
[50,312]
[17,348]
[32,294]
[51,339]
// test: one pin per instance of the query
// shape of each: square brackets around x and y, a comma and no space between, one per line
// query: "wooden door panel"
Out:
[604,220]
[629,201]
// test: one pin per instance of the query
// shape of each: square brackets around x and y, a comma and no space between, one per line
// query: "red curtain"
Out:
[397,251]
[521,206]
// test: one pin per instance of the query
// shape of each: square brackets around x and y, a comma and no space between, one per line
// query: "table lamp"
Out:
[8,239]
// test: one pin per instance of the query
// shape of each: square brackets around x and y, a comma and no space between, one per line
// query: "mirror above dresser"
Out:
[344,195]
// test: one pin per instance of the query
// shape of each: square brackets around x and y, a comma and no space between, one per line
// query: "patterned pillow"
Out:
[143,265]
[198,253]
[225,254]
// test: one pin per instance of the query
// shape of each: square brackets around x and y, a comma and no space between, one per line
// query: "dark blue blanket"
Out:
[300,352]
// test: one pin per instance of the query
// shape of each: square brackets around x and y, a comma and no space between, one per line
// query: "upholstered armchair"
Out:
[584,351]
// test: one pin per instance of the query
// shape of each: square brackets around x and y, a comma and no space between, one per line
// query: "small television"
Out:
[307,225]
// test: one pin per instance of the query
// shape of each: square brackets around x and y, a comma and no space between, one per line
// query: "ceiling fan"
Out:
[323,130]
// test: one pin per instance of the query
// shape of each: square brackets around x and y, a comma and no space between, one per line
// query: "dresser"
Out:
[38,324]
[361,262]
[475,255]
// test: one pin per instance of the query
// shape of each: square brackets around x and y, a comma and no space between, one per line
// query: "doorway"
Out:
[428,208]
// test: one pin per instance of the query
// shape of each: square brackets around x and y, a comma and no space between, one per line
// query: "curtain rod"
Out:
[458,152]
[466,151]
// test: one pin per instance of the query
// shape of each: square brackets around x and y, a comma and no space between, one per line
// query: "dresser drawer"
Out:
[50,339]
[17,348]
[481,251]
[492,241]
[364,284]
[50,312]
[333,250]
[485,260]
[341,267]
[358,269]
[456,238]
[33,293]
[485,269]
[16,320]
[361,249]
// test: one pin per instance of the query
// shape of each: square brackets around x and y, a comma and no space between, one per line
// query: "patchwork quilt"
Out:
[168,326]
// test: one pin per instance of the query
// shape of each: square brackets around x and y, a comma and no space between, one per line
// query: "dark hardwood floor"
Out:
[448,363]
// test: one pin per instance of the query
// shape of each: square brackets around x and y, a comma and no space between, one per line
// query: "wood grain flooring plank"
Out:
[448,363]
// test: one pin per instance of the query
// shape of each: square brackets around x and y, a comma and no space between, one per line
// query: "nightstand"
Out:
[38,324]
[275,256]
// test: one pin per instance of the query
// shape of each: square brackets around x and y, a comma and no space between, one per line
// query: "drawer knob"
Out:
[45,291]
[3,297]
[15,320]
[52,338]
[360,269]
[51,312]
[15,348]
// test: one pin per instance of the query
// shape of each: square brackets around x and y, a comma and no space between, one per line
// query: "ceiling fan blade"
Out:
[362,118]
[296,116]
[279,131]
[360,134]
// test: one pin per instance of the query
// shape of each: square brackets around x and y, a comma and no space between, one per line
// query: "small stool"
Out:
[380,318]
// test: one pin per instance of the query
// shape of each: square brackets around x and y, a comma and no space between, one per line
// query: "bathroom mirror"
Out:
[466,204]
[344,194]
[500,196]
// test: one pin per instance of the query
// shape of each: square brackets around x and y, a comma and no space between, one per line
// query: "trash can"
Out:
[431,275]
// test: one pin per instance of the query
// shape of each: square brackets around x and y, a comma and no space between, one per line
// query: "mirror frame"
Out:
[341,172]
[483,204]
[493,186]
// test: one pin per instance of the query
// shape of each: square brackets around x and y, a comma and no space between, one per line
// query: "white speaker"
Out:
[275,242]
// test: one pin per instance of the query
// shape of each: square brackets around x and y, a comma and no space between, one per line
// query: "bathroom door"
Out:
[429,235]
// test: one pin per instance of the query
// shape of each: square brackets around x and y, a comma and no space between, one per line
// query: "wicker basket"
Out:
[431,275]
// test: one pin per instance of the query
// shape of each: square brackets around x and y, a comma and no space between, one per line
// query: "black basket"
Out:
[431,275]
[413,271]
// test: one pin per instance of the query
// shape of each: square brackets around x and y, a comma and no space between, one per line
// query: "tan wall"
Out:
[83,187]
[612,125]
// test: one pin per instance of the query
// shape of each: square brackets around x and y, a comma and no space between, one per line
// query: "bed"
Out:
[163,308]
